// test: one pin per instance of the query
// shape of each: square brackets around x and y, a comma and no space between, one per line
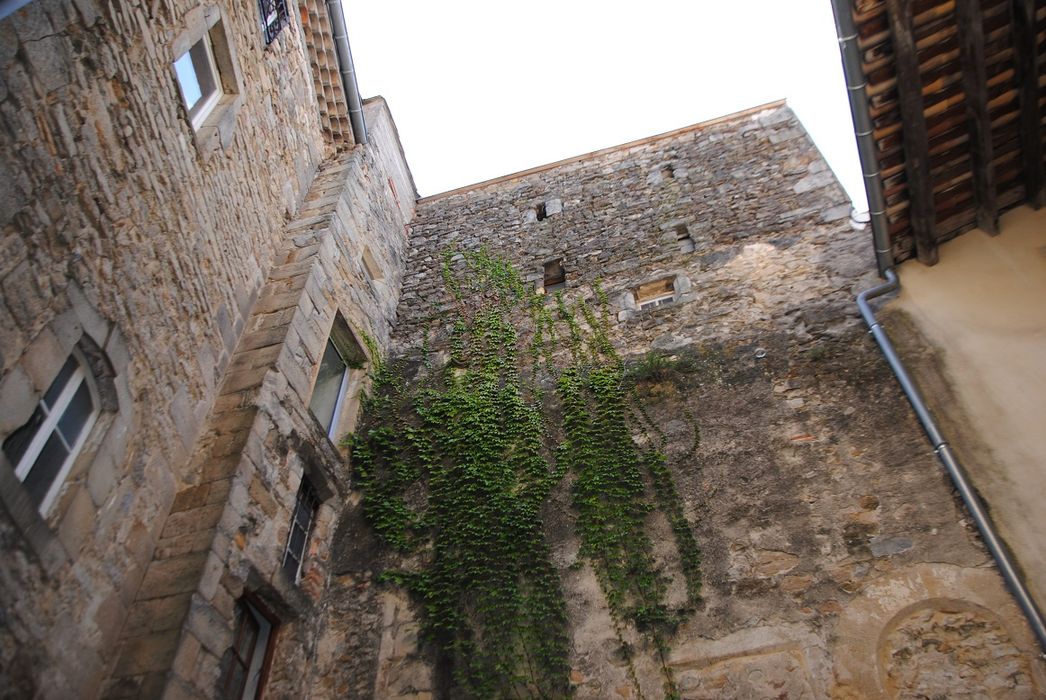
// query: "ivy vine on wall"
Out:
[458,454]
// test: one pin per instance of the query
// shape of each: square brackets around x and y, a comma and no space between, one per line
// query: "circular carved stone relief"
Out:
[953,652]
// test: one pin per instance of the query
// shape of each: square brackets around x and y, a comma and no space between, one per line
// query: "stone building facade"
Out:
[195,279]
[191,271]
[836,560]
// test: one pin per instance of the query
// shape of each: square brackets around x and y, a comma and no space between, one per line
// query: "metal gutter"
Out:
[348,70]
[855,86]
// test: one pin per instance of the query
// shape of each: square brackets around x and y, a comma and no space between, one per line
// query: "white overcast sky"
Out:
[483,89]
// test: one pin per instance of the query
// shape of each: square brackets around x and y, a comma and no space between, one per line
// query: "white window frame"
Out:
[306,498]
[199,112]
[48,427]
[339,403]
[353,359]
[657,297]
[657,301]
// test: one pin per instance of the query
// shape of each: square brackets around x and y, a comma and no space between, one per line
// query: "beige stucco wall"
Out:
[983,309]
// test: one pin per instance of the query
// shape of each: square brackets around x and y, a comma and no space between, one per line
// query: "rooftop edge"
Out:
[776,104]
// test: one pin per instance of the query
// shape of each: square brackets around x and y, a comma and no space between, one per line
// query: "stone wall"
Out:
[143,243]
[758,204]
[227,530]
[833,549]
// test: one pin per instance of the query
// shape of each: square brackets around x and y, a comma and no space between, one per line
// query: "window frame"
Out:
[213,127]
[49,426]
[354,358]
[654,298]
[251,610]
[307,500]
[343,388]
[206,103]
[554,276]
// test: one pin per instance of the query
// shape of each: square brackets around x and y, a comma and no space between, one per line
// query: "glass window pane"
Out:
[44,470]
[76,414]
[187,80]
[303,513]
[297,544]
[201,62]
[237,677]
[290,566]
[60,381]
[248,633]
[16,443]
[328,386]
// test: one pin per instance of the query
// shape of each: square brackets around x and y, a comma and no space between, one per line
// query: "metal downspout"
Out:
[855,85]
[348,71]
[846,30]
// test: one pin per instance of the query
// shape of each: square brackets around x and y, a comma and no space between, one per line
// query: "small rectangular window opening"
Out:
[555,276]
[686,243]
[198,80]
[654,294]
[541,212]
[305,508]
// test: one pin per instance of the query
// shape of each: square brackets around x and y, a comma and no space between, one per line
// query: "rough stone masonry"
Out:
[836,561]
[197,272]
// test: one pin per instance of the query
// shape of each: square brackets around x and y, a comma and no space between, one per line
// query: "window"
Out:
[205,68]
[198,80]
[555,276]
[305,508]
[682,234]
[274,18]
[334,381]
[543,210]
[654,294]
[332,384]
[43,450]
[250,653]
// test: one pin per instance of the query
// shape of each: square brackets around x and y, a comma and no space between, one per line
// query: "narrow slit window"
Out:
[683,238]
[305,508]
[555,276]
[654,294]
[541,212]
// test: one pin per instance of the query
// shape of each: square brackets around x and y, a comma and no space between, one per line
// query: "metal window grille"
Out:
[274,17]
[301,525]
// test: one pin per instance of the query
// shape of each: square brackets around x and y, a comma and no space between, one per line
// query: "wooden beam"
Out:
[913,131]
[1025,56]
[970,26]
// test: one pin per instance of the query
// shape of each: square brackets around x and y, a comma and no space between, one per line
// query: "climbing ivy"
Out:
[457,460]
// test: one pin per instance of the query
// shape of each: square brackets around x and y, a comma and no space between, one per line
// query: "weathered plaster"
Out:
[982,309]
